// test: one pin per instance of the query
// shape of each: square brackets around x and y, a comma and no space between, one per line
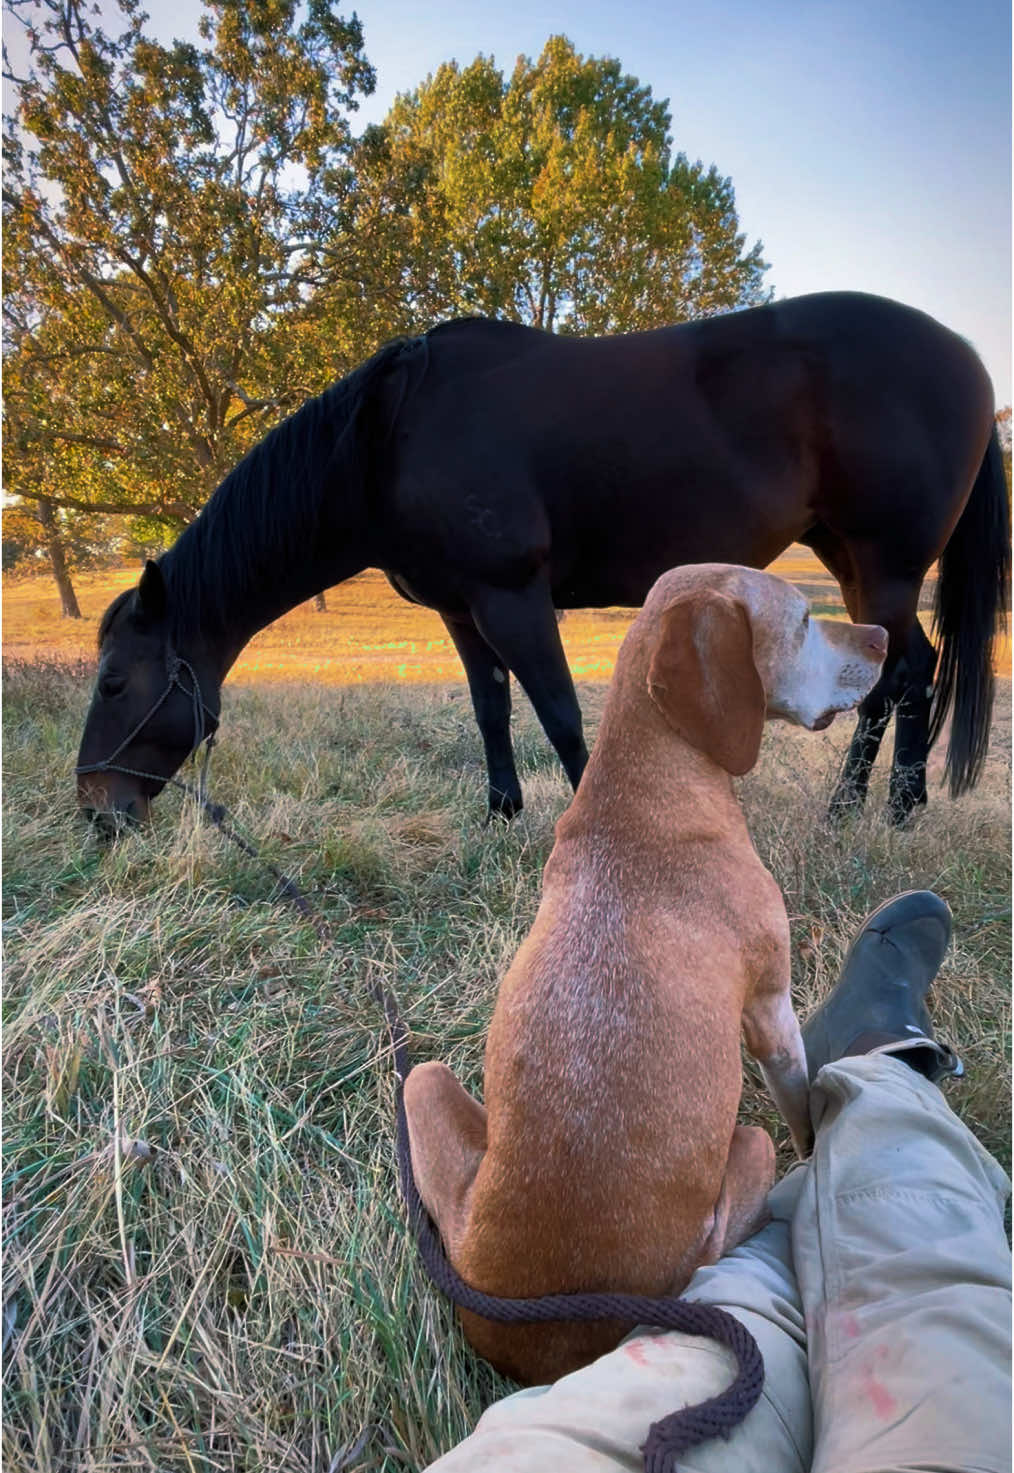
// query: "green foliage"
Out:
[87,541]
[22,535]
[552,197]
[161,208]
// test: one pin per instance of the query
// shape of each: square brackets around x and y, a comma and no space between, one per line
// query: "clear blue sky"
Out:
[868,141]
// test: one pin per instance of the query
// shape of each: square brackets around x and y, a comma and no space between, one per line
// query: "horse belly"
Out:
[615,554]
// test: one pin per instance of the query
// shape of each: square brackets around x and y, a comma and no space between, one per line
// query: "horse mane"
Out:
[258,529]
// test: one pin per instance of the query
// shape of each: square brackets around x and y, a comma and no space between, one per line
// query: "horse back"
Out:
[612,458]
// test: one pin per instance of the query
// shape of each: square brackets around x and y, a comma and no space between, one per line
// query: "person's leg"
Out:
[898,1239]
[904,1272]
[598,1417]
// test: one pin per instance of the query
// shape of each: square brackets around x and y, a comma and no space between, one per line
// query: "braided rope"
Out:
[667,1438]
[199,709]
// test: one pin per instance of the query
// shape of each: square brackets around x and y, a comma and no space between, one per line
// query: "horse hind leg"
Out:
[904,687]
[911,726]
[853,783]
[875,711]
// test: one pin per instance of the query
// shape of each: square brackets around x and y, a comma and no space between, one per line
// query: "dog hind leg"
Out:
[447,1137]
[741,1209]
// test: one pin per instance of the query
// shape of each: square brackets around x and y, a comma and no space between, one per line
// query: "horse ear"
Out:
[151,591]
[704,681]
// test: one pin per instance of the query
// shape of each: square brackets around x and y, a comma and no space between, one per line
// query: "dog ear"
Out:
[704,681]
[151,594]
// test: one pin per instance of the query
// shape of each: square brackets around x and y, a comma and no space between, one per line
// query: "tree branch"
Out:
[173,513]
[93,441]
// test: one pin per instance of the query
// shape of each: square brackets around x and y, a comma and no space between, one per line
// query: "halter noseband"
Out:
[174,664]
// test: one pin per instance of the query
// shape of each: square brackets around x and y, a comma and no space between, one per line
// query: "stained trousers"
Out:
[879,1294]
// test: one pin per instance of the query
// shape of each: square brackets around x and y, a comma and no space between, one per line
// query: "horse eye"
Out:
[112,685]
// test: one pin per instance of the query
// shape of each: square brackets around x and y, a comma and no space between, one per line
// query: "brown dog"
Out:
[608,1154]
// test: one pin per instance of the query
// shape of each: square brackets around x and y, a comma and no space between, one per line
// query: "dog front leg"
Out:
[741,1209]
[773,1038]
[447,1138]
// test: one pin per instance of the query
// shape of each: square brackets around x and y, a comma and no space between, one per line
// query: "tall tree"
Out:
[164,209]
[553,197]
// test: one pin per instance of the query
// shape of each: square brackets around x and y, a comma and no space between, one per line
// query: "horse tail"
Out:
[973,593]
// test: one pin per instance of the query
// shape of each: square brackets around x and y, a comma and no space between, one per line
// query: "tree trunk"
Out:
[58,559]
[320,603]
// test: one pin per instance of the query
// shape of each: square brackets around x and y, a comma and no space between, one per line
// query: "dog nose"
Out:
[876,641]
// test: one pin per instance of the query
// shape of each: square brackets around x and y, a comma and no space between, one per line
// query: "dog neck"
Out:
[645,784]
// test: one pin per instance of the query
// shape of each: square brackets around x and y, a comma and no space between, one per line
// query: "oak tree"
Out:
[553,197]
[164,210]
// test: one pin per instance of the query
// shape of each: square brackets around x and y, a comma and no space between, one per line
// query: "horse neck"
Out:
[277,531]
[246,617]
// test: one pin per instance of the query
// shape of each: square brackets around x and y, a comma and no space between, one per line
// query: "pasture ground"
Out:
[206,1261]
[368,633]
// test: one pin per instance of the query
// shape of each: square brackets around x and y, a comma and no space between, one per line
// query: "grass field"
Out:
[368,633]
[206,1263]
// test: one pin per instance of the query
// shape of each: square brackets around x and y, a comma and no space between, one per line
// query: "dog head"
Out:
[736,647]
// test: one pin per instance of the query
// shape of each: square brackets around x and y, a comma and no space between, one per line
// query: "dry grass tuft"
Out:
[206,1263]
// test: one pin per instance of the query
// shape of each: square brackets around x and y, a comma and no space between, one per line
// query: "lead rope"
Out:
[666,1439]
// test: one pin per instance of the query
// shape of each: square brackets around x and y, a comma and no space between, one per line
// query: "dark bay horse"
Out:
[496,472]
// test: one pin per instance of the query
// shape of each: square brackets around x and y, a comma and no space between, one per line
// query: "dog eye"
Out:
[112,685]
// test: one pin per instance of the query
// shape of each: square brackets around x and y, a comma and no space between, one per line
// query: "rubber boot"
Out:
[879,1002]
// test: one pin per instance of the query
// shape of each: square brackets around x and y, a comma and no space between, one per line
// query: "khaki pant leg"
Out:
[904,1272]
[595,1420]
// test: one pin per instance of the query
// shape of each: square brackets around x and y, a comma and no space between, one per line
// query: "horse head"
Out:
[152,706]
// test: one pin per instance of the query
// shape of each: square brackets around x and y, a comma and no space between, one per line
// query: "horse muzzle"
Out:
[111,801]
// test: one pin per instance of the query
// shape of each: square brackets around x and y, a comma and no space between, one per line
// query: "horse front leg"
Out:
[490,689]
[520,624]
[874,714]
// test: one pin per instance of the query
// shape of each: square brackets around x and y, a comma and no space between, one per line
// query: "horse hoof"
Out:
[502,808]
[844,807]
[901,811]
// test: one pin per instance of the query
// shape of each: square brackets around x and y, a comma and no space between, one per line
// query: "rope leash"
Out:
[666,1439]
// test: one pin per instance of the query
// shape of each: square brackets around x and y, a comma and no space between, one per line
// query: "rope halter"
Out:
[203,732]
